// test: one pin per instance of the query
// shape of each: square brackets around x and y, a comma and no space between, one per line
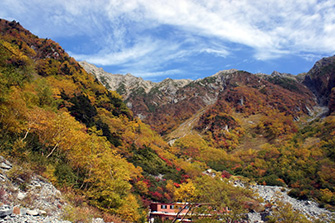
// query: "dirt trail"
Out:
[186,127]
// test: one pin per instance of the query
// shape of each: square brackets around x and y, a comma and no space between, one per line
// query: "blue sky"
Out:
[156,39]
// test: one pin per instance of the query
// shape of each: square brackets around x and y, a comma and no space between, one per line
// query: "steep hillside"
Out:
[53,122]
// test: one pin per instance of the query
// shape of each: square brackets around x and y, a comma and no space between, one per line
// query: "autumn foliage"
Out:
[64,125]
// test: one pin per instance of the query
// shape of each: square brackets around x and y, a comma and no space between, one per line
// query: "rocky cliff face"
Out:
[127,84]
[321,81]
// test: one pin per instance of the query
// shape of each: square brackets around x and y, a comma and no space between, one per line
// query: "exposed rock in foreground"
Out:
[35,200]
[29,198]
[270,194]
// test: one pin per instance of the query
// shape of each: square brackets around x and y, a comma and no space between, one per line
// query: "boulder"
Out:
[97,220]
[16,210]
[23,211]
[21,195]
[42,212]
[33,212]
[6,210]
[5,166]
[3,177]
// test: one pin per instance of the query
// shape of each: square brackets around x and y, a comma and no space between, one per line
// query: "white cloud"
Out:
[172,73]
[129,33]
[120,55]
[271,27]
[221,53]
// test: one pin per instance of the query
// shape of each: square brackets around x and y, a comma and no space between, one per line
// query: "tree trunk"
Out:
[52,150]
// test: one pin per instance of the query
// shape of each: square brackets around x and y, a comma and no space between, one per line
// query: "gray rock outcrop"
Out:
[126,84]
[271,193]
[43,201]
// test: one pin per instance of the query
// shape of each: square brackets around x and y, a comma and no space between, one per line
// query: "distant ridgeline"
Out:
[59,121]
[167,104]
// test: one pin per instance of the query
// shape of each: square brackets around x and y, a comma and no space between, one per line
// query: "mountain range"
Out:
[167,104]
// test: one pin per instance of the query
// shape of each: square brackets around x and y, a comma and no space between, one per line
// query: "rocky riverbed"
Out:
[270,194]
[41,202]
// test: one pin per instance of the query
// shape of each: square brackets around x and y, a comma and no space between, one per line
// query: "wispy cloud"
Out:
[119,55]
[149,34]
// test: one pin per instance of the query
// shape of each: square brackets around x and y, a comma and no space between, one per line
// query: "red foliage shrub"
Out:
[225,174]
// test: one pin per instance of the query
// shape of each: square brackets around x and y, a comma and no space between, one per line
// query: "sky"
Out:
[184,39]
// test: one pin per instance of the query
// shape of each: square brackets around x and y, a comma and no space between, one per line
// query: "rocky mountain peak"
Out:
[123,84]
[223,72]
[169,83]
[322,65]
[129,75]
[126,84]
[278,74]
[321,80]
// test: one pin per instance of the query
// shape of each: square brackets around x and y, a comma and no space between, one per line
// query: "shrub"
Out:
[21,175]
[82,214]
[65,175]
[273,180]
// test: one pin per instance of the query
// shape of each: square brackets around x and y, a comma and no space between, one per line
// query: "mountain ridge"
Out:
[123,84]
[155,103]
